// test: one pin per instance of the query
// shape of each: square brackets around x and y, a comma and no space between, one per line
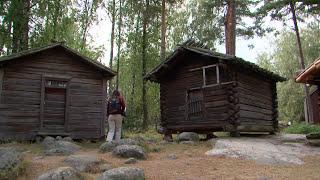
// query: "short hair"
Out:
[116,93]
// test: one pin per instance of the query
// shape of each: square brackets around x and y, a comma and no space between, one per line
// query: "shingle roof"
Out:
[95,64]
[310,74]
[199,48]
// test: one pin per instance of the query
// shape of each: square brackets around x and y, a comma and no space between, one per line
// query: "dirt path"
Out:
[192,164]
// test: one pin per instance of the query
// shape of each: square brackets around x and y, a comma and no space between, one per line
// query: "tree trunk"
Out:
[230,28]
[296,29]
[21,13]
[112,41]
[55,18]
[144,62]
[119,43]
[163,31]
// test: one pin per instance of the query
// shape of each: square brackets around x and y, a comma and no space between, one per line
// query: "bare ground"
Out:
[192,164]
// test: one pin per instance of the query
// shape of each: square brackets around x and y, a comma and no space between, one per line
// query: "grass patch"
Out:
[17,171]
[150,134]
[302,128]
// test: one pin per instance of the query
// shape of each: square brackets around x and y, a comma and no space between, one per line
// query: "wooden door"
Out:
[195,104]
[54,108]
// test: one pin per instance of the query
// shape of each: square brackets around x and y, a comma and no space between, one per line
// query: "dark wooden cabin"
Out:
[311,77]
[204,91]
[52,90]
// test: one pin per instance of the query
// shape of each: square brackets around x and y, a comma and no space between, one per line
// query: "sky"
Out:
[101,36]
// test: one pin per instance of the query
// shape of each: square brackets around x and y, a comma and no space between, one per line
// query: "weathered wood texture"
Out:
[21,96]
[257,103]
[315,100]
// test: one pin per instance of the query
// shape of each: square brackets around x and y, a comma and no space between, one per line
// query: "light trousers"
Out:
[115,125]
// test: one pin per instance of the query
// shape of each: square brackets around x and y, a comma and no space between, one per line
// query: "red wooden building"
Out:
[52,90]
[204,91]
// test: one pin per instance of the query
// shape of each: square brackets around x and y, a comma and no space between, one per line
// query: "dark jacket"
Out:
[123,106]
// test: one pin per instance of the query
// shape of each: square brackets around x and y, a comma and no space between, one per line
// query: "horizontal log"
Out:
[15,75]
[15,87]
[251,121]
[25,93]
[254,94]
[254,103]
[255,109]
[255,128]
[256,115]
[216,104]
[22,81]
[256,89]
[252,97]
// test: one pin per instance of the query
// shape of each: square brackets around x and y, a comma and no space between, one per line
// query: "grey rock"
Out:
[69,139]
[164,142]
[128,151]
[58,152]
[151,141]
[11,149]
[50,143]
[110,146]
[188,136]
[172,156]
[187,142]
[38,157]
[130,161]
[313,136]
[263,178]
[82,162]
[138,139]
[105,167]
[259,150]
[123,173]
[189,154]
[314,142]
[9,159]
[62,173]
[58,138]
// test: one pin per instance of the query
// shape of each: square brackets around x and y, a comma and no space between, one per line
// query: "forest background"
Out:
[135,39]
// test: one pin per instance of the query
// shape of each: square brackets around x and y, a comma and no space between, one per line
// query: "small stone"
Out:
[138,139]
[187,142]
[172,156]
[263,178]
[38,157]
[151,141]
[58,138]
[188,136]
[195,150]
[189,154]
[130,161]
[105,167]
[164,143]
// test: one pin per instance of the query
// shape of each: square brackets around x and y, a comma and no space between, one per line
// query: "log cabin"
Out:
[204,91]
[52,90]
[311,77]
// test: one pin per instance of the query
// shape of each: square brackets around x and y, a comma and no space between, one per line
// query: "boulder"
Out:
[9,159]
[51,143]
[188,136]
[123,173]
[58,152]
[69,139]
[130,151]
[105,167]
[130,161]
[62,173]
[58,138]
[110,146]
[164,142]
[313,136]
[314,142]
[138,139]
[82,162]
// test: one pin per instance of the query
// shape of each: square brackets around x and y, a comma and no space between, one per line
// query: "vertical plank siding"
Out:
[20,106]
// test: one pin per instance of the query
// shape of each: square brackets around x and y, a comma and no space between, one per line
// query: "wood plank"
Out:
[255,90]
[254,103]
[256,115]
[1,81]
[250,121]
[22,81]
[255,109]
[8,93]
[15,87]
[216,104]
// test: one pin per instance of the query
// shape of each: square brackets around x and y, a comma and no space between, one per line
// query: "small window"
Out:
[56,84]
[195,103]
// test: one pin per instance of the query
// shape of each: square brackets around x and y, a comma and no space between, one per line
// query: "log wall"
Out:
[257,103]
[21,95]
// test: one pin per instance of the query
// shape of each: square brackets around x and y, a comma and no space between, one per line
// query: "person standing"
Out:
[115,110]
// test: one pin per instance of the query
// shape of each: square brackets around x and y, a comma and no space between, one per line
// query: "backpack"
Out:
[115,106]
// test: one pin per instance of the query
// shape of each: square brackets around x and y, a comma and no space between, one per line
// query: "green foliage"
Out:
[284,60]
[15,172]
[302,128]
